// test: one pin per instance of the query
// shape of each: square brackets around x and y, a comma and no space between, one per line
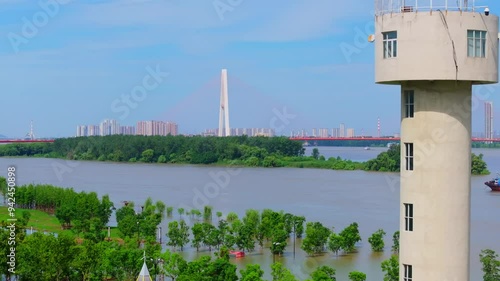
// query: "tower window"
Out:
[409,106]
[390,40]
[409,156]
[476,43]
[408,274]
[408,217]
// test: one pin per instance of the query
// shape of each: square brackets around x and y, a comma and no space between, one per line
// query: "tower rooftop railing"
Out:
[383,7]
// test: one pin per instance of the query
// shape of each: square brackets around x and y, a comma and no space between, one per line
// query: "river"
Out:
[335,198]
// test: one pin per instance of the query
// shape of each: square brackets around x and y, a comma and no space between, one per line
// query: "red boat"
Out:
[493,184]
[236,254]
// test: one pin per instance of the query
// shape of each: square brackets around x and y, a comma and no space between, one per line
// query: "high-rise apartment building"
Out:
[109,127]
[93,130]
[81,131]
[156,128]
[323,133]
[488,120]
[127,130]
[342,130]
[350,133]
[335,132]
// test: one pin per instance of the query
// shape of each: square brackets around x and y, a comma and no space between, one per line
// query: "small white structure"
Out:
[144,274]
[436,50]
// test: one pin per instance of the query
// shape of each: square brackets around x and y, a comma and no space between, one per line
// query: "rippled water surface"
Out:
[335,198]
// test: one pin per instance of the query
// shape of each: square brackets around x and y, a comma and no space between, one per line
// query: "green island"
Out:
[79,246]
[228,151]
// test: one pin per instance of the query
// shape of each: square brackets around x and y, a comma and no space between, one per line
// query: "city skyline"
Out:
[144,128]
[319,70]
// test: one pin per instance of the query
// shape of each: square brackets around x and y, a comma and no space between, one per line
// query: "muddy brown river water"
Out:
[335,198]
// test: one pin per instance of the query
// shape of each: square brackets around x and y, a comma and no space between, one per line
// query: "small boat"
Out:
[494,184]
[367,148]
[236,254]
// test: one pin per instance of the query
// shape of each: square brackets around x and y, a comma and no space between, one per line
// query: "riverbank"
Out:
[230,151]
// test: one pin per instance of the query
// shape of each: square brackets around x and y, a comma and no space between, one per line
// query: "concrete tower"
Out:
[224,129]
[436,52]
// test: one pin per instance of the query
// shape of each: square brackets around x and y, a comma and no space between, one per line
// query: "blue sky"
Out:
[82,57]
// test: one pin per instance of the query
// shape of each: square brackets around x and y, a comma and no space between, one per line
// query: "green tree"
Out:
[147,155]
[388,161]
[88,260]
[105,209]
[184,234]
[162,159]
[253,272]
[278,241]
[245,237]
[198,235]
[170,210]
[323,273]
[377,240]
[390,268]
[298,222]
[316,238]
[357,276]
[478,166]
[173,264]
[335,243]
[395,242]
[36,262]
[231,216]
[211,238]
[281,273]
[181,212]
[3,188]
[490,265]
[315,153]
[207,213]
[178,234]
[128,221]
[350,236]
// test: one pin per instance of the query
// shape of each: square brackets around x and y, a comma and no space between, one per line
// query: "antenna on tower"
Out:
[31,134]
[378,126]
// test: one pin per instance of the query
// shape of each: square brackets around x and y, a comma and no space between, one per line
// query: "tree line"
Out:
[241,151]
[161,149]
[390,161]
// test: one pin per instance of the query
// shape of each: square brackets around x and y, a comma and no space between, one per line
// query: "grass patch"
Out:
[41,221]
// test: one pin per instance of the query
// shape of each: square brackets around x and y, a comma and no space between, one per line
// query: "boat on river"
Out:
[494,183]
[237,254]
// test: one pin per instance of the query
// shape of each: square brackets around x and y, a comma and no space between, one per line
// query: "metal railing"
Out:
[408,6]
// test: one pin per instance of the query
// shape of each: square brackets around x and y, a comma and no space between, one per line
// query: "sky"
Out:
[67,63]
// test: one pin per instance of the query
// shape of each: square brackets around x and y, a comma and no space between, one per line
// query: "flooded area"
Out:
[335,198]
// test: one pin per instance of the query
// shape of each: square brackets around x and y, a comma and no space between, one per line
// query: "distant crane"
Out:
[31,134]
